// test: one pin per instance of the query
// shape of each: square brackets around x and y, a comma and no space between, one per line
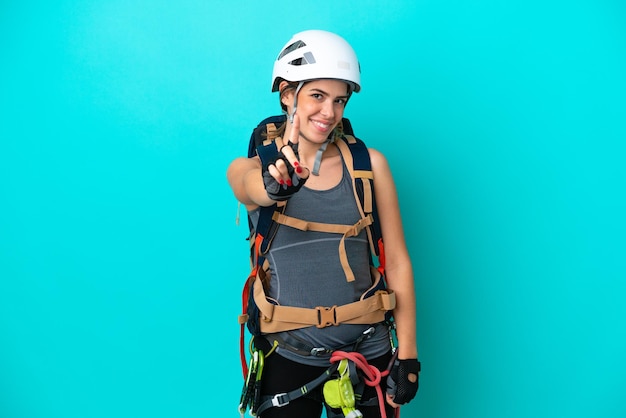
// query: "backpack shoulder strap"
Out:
[262,143]
[357,160]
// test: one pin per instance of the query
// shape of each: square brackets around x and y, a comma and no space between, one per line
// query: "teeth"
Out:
[321,125]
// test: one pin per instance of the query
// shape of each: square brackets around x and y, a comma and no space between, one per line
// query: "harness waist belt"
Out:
[278,318]
[296,345]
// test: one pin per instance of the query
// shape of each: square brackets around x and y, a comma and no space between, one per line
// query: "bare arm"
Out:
[398,263]
[245,178]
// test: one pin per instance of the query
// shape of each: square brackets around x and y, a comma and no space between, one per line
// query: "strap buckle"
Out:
[326,316]
[278,401]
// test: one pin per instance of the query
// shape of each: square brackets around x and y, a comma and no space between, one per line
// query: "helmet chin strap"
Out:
[318,156]
[295,102]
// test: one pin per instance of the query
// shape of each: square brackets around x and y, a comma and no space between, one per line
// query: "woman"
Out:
[316,74]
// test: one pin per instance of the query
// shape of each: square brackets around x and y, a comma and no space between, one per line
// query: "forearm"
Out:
[255,189]
[401,282]
[246,180]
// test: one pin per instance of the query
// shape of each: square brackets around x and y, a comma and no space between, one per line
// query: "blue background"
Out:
[120,262]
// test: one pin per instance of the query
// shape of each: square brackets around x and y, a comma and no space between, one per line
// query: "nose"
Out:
[328,109]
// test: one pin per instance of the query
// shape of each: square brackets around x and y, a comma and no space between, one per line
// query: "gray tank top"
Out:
[306,271]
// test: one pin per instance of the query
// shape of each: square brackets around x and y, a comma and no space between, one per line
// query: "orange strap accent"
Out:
[381,256]
[245,294]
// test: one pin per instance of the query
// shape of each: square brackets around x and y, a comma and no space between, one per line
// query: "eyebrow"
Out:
[315,89]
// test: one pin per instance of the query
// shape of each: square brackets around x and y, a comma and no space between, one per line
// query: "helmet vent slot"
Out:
[290,48]
[307,58]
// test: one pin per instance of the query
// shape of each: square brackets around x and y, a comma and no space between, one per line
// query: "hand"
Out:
[283,175]
[403,382]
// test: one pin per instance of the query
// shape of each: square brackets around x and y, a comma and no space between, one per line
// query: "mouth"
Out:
[322,126]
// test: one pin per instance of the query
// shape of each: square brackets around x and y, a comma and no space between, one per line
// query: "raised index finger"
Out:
[294,134]
[290,150]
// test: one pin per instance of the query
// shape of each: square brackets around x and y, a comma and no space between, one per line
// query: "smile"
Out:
[320,125]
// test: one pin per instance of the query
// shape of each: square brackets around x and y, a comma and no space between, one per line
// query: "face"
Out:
[320,108]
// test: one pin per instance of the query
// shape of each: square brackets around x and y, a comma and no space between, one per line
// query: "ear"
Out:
[287,97]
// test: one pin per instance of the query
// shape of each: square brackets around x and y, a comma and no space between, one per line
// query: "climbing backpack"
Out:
[263,316]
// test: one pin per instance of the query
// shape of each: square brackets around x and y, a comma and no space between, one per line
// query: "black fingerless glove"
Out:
[277,191]
[269,155]
[398,384]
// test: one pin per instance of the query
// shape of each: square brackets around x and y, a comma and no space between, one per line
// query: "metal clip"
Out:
[369,331]
[317,351]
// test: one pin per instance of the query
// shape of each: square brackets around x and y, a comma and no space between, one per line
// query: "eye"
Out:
[341,101]
[316,95]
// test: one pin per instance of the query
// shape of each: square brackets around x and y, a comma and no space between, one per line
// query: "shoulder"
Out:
[378,159]
[383,179]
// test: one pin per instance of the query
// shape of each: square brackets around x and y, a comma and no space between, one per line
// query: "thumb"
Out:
[390,401]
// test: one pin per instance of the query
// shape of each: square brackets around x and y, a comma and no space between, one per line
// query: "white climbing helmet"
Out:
[315,54]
